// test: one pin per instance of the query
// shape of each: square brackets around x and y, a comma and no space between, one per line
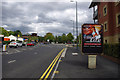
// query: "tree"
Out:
[56,39]
[4,32]
[59,39]
[17,32]
[11,33]
[41,39]
[49,36]
[64,38]
[69,37]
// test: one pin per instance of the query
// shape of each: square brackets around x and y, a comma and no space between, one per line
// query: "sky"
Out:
[56,17]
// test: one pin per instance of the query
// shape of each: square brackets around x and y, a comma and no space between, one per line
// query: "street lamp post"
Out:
[73,31]
[76,26]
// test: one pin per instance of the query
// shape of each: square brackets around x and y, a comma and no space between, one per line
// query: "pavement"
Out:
[75,67]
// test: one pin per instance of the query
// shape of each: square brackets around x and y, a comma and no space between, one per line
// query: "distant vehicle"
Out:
[20,43]
[24,43]
[15,44]
[30,44]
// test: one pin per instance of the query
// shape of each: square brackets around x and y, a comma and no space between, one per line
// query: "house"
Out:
[12,38]
[108,15]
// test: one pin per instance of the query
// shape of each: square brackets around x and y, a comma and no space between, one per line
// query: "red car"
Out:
[30,44]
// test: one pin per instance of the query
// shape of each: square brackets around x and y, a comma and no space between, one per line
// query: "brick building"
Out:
[108,14]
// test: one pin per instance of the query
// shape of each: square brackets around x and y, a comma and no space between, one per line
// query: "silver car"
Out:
[15,44]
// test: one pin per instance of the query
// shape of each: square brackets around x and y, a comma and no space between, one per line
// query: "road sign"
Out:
[92,38]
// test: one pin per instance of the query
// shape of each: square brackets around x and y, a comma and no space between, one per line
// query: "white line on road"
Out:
[55,69]
[12,61]
[17,50]
[63,54]
[6,52]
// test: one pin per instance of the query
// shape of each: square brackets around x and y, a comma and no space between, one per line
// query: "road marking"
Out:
[56,68]
[6,52]
[74,54]
[12,61]
[17,50]
[63,54]
[51,66]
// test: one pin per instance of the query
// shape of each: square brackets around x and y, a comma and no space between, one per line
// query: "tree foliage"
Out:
[70,37]
[49,36]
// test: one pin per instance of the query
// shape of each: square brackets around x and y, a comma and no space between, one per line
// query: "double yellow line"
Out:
[51,66]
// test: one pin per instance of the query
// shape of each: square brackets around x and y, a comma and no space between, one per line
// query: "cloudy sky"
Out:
[43,17]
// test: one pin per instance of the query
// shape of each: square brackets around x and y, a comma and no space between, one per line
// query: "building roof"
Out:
[93,3]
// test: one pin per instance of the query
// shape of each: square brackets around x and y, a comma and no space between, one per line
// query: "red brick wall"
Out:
[110,17]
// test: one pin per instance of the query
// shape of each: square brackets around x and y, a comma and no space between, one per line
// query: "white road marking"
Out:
[12,61]
[55,68]
[74,54]
[6,52]
[63,54]
[17,50]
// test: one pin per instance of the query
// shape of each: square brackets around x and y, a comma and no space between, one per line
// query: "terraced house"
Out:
[108,14]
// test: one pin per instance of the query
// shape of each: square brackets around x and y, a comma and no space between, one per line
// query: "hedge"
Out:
[112,50]
[6,42]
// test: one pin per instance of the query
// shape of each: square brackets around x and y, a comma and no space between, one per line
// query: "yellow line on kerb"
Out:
[54,61]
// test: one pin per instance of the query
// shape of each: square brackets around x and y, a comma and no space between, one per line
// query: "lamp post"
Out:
[73,30]
[76,25]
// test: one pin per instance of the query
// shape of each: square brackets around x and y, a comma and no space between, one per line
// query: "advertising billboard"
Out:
[92,38]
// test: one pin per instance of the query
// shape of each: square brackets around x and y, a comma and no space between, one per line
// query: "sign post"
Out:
[92,42]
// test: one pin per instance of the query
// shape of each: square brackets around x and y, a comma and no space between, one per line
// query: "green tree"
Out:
[41,39]
[11,33]
[64,38]
[49,36]
[56,39]
[4,32]
[70,37]
[17,32]
[59,39]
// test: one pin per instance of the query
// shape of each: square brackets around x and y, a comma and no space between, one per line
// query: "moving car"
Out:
[30,44]
[15,44]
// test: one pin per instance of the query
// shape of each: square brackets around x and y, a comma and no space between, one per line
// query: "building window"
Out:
[105,41]
[105,26]
[105,10]
[118,20]
[119,40]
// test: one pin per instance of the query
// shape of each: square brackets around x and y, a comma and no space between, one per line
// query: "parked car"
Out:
[30,44]
[15,44]
[24,43]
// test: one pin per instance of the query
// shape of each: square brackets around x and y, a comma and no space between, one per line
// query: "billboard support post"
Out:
[92,61]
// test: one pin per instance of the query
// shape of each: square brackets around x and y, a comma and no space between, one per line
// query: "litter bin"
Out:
[92,61]
[4,47]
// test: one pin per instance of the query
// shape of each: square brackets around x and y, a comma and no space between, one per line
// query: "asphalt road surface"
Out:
[28,62]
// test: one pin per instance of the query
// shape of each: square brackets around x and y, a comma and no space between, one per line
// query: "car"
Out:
[13,44]
[30,44]
[20,43]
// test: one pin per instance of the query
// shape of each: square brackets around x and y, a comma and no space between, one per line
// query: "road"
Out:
[28,62]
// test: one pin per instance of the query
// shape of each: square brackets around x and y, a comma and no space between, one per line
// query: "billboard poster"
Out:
[92,38]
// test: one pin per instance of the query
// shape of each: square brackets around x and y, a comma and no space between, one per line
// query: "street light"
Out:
[76,25]
[73,30]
